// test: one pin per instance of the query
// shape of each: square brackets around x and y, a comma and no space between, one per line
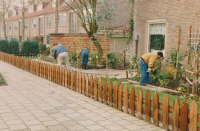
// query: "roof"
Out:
[47,9]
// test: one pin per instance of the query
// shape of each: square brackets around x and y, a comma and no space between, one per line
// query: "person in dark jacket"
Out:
[62,55]
[84,53]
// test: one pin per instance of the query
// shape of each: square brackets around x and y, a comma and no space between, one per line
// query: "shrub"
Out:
[14,47]
[30,47]
[42,46]
[72,56]
[35,47]
[112,59]
[2,80]
[4,46]
[93,58]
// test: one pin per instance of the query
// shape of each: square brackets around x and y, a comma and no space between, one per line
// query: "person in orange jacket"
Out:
[146,65]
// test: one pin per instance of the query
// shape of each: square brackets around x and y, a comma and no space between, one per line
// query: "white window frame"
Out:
[6,15]
[53,3]
[14,12]
[15,25]
[86,16]
[25,22]
[61,24]
[10,26]
[157,21]
[75,23]
[51,21]
[34,23]
[40,7]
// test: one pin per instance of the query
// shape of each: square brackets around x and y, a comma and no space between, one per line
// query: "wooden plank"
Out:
[176,108]
[83,86]
[132,101]
[147,106]
[119,96]
[115,95]
[193,86]
[155,109]
[75,81]
[165,112]
[87,85]
[95,89]
[68,80]
[66,74]
[193,116]
[110,88]
[72,79]
[80,83]
[126,99]
[100,90]
[139,104]
[105,91]
[91,87]
[184,116]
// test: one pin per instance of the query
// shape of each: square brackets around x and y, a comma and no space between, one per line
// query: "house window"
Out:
[15,25]
[49,21]
[157,37]
[73,22]
[26,24]
[10,26]
[34,23]
[48,39]
[62,20]
[15,36]
[39,7]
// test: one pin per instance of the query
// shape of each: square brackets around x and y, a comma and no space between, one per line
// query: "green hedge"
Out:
[4,46]
[14,47]
[30,47]
[42,46]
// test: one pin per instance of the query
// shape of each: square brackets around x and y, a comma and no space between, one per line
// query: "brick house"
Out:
[156,22]
[40,20]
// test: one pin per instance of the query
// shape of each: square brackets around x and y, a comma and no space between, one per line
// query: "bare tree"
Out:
[4,6]
[56,2]
[89,23]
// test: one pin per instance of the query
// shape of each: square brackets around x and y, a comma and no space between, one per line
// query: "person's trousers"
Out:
[85,55]
[64,56]
[144,75]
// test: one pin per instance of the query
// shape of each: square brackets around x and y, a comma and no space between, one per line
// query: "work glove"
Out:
[77,56]
[150,70]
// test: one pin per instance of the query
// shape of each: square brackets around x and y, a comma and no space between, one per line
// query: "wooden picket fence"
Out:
[182,118]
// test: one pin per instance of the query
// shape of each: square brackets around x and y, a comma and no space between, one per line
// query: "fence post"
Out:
[126,99]
[100,90]
[139,103]
[110,93]
[184,116]
[95,88]
[147,106]
[193,116]
[87,85]
[105,91]
[176,108]
[119,96]
[115,95]
[83,81]
[72,79]
[165,112]
[80,82]
[155,109]
[91,87]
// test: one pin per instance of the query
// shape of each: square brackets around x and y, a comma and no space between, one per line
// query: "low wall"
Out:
[79,40]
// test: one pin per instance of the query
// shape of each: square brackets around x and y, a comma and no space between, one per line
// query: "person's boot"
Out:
[81,66]
[85,66]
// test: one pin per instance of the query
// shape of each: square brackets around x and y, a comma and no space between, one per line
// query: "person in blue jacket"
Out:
[84,53]
[62,55]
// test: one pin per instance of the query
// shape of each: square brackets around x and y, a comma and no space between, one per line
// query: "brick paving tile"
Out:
[18,127]
[123,122]
[80,118]
[56,128]
[87,122]
[114,127]
[95,127]
[50,123]
[32,103]
[76,128]
[37,128]
[105,123]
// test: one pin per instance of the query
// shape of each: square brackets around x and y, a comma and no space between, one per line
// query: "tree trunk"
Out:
[56,17]
[23,20]
[98,46]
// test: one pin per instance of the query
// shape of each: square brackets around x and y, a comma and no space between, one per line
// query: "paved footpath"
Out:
[32,103]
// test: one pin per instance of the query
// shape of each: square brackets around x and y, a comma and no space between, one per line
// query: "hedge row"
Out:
[30,47]
[11,47]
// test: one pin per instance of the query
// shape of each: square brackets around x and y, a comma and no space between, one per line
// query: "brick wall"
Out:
[176,12]
[67,41]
